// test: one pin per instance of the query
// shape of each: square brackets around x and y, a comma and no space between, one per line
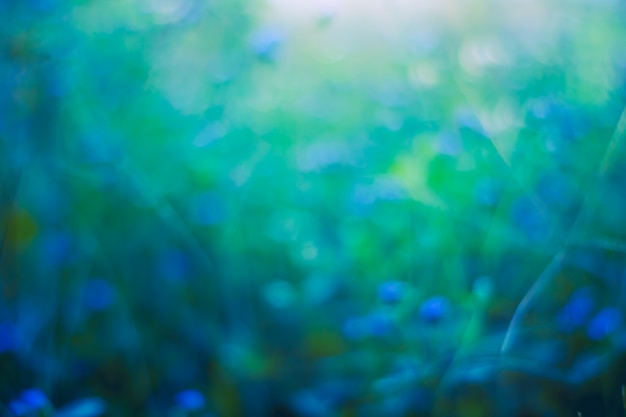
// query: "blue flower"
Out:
[7,337]
[604,323]
[391,291]
[577,310]
[190,399]
[19,408]
[434,309]
[30,400]
[34,397]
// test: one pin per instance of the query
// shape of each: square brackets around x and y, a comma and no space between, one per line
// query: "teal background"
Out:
[323,209]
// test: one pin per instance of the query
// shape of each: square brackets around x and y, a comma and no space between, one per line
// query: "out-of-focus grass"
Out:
[316,210]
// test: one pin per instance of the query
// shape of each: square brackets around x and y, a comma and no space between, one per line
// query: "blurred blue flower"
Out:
[99,294]
[190,399]
[577,310]
[7,337]
[604,323]
[391,291]
[30,400]
[265,42]
[434,309]
[19,408]
[34,397]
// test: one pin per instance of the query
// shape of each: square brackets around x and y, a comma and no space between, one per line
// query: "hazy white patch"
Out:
[477,54]
[169,11]
[424,75]
[503,117]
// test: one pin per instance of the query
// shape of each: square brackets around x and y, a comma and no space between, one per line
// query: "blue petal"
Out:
[7,337]
[190,399]
[577,310]
[19,408]
[34,397]
[434,309]
[391,291]
[604,323]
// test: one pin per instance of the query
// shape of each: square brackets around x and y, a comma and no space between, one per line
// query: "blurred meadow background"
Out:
[332,208]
